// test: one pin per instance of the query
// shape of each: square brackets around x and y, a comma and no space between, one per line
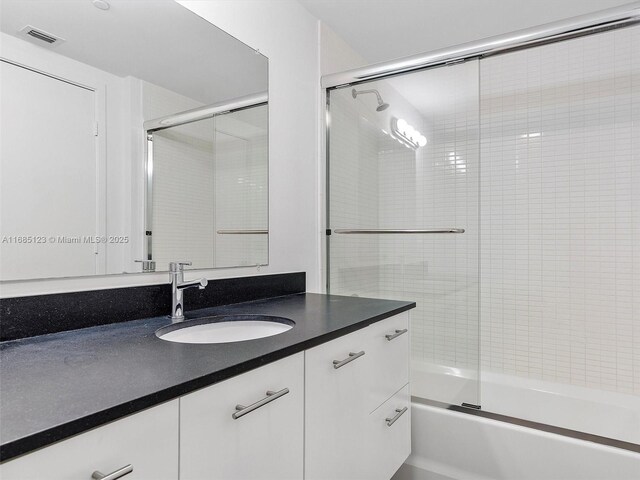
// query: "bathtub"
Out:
[607,414]
[449,444]
[452,445]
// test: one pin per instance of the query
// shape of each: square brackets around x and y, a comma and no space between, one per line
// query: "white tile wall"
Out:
[560,245]
[543,172]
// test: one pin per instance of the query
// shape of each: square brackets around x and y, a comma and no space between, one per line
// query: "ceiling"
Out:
[382,30]
[155,40]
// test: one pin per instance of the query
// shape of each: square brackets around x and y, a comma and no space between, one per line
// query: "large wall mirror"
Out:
[132,134]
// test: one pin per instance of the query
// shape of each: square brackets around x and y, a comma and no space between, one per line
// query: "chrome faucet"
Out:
[176,275]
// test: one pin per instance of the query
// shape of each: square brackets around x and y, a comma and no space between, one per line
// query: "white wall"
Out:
[336,55]
[286,33]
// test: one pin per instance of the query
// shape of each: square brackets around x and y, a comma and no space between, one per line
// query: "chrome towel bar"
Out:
[242,232]
[376,231]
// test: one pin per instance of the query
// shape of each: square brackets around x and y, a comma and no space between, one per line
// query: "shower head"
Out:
[381,105]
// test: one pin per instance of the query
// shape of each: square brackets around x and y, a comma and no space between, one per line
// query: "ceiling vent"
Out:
[40,35]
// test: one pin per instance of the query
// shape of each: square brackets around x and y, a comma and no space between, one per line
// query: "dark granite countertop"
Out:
[58,385]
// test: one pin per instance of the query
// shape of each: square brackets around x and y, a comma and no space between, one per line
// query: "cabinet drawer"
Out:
[335,413]
[148,441]
[389,436]
[340,368]
[389,348]
[265,442]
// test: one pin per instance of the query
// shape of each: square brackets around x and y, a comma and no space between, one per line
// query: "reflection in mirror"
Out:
[79,88]
[207,186]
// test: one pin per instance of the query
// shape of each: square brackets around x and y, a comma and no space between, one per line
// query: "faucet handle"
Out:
[178,266]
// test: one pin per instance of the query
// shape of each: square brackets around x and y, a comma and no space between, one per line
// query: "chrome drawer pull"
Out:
[352,356]
[121,472]
[391,336]
[271,396]
[399,412]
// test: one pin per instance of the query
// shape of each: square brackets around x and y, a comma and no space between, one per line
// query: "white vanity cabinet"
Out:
[338,411]
[389,436]
[389,349]
[357,403]
[335,407]
[263,440]
[146,441]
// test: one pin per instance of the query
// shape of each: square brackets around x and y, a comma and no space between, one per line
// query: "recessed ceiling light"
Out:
[101,4]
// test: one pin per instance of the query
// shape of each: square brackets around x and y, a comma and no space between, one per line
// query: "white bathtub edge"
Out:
[469,447]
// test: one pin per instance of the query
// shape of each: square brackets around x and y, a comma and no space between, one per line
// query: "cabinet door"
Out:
[263,443]
[389,347]
[389,436]
[148,441]
[336,412]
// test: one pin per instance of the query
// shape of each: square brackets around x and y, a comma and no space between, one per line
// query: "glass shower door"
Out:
[403,178]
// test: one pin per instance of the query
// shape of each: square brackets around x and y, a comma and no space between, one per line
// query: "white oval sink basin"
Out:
[225,329]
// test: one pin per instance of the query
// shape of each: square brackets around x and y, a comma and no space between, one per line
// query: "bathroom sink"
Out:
[224,329]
